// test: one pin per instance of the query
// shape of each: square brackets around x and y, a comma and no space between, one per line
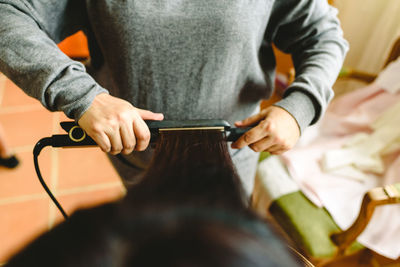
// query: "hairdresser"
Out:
[176,60]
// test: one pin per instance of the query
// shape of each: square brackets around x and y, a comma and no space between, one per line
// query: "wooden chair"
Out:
[314,234]
[312,231]
[389,194]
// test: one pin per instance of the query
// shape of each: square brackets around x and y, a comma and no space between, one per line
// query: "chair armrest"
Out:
[389,194]
[394,53]
[349,73]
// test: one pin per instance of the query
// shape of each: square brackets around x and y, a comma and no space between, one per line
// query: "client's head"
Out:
[188,211]
[196,237]
[159,236]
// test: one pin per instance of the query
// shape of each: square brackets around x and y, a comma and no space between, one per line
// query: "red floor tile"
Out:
[20,223]
[60,118]
[84,166]
[23,180]
[72,202]
[14,96]
[27,128]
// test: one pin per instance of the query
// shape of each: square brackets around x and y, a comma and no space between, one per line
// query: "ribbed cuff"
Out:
[300,106]
[76,109]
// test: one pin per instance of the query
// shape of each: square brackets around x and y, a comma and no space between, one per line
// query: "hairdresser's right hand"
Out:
[117,126]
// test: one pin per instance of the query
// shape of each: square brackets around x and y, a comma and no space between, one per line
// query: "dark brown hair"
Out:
[192,167]
[189,210]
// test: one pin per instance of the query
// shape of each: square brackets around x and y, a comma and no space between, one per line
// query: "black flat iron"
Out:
[76,136]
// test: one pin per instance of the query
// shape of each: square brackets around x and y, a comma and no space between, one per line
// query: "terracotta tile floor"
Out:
[78,176]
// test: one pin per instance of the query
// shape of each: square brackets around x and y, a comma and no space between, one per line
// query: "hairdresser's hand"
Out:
[117,126]
[276,132]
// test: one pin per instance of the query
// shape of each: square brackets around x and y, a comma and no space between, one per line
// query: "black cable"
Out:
[60,141]
[47,141]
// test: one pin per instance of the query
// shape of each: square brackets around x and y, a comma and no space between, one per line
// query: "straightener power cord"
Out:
[47,141]
[76,137]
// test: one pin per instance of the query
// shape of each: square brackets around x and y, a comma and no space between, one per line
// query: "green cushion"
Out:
[309,226]
[263,155]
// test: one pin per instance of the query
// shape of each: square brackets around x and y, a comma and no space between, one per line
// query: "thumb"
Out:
[250,120]
[148,115]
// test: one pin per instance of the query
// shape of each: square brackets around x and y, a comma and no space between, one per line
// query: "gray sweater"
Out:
[188,59]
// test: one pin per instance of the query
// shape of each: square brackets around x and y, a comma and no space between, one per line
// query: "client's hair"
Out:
[191,168]
[188,211]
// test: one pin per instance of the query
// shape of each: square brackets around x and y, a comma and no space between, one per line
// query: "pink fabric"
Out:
[355,111]
[350,114]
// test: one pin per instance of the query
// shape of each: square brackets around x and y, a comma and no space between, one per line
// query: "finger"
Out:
[102,141]
[255,134]
[250,120]
[142,134]
[263,145]
[127,138]
[276,150]
[115,140]
[148,115]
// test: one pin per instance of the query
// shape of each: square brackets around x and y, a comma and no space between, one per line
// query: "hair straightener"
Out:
[77,137]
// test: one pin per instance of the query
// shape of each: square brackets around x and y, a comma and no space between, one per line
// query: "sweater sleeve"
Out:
[29,56]
[310,31]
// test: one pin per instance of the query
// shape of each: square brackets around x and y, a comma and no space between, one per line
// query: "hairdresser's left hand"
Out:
[276,132]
